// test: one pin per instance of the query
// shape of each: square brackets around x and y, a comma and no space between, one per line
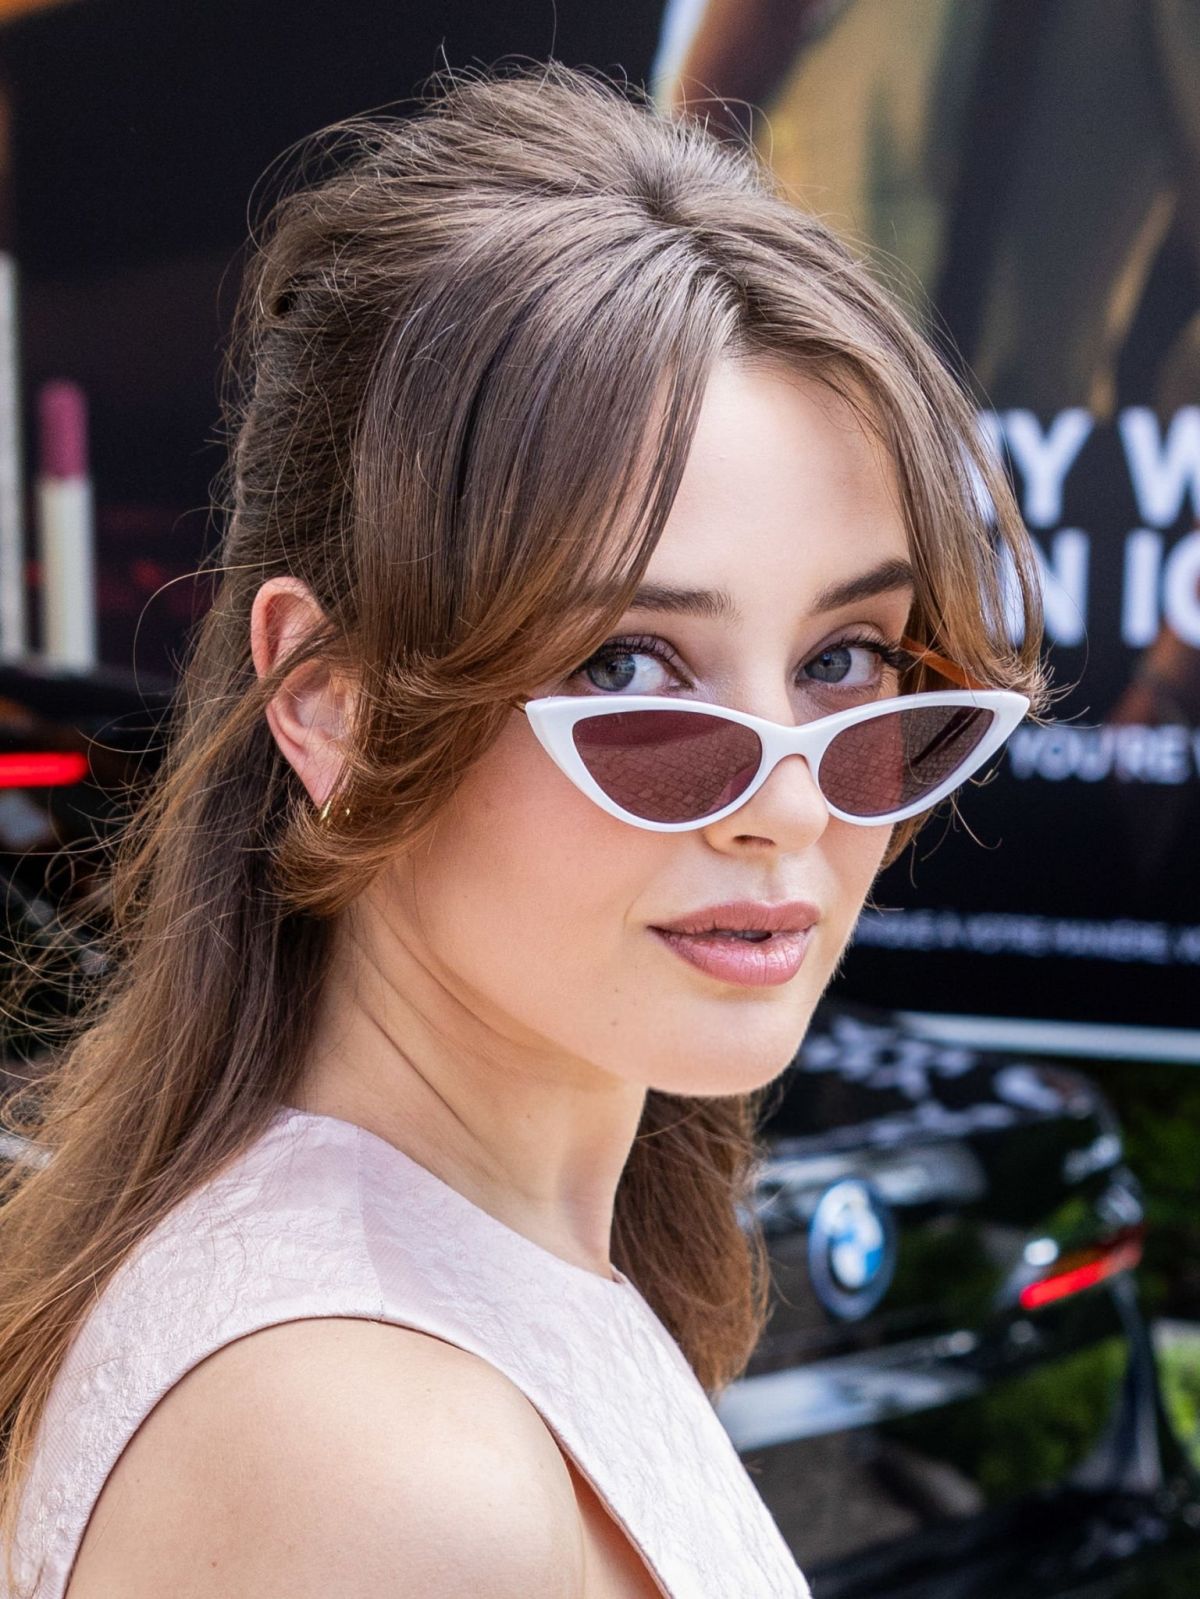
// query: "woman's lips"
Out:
[774,959]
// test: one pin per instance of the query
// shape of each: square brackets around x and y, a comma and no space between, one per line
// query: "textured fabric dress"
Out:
[319,1217]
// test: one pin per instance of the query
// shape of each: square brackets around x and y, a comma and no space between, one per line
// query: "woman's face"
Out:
[539,913]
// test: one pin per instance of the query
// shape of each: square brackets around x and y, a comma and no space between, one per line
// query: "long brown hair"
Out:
[466,370]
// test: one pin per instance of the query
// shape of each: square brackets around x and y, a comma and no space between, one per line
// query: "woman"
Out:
[390,1237]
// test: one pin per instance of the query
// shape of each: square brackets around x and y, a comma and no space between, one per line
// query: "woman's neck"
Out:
[537,1140]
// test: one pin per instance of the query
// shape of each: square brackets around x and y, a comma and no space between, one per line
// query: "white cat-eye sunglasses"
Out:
[670,765]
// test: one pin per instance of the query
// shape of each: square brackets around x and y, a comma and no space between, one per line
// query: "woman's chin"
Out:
[736,1065]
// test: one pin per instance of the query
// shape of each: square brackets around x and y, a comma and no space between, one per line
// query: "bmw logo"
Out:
[851,1249]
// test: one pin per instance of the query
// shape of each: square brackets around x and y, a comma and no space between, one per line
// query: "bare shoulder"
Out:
[343,1459]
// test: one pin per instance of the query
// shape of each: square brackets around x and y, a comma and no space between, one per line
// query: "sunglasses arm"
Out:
[947,668]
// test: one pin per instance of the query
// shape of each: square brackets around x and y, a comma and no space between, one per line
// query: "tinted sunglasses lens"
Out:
[892,761]
[668,766]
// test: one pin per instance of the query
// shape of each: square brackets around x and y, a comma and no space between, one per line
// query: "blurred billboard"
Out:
[1027,174]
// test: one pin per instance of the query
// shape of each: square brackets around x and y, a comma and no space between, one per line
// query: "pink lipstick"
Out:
[753,945]
[66,536]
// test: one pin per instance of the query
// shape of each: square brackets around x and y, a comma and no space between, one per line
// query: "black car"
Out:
[72,746]
[956,1394]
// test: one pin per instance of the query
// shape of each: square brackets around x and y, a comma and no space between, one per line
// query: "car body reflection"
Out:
[953,1440]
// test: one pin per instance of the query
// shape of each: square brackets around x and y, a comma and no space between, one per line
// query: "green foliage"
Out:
[1179,1369]
[1159,1110]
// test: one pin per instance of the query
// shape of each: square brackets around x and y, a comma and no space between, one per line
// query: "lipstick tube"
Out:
[65,522]
[13,640]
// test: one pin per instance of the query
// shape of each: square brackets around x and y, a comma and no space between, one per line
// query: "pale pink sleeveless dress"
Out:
[322,1218]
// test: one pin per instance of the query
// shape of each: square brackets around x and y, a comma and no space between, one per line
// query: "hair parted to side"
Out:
[467,366]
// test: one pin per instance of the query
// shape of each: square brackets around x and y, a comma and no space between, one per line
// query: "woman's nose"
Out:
[788,812]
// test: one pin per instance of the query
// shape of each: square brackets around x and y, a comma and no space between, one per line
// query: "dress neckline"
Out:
[617,1284]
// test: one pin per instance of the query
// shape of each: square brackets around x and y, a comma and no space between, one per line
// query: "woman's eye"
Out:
[623,668]
[850,664]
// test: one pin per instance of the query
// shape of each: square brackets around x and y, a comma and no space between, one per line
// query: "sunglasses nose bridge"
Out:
[780,743]
[806,740]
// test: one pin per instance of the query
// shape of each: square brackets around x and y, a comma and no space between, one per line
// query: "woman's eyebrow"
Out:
[713,603]
[881,579]
[718,606]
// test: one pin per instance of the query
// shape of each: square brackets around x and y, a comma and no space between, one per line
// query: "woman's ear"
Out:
[310,716]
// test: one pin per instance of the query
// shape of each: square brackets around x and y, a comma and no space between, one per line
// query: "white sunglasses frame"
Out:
[553,719]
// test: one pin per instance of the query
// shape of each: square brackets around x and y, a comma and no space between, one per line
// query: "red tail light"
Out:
[54,769]
[1085,1268]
